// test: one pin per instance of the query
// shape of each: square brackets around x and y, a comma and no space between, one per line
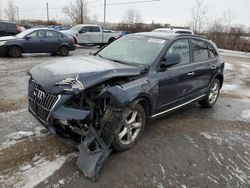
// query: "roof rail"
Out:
[197,36]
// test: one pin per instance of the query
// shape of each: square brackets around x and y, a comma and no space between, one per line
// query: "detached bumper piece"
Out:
[95,148]
[93,153]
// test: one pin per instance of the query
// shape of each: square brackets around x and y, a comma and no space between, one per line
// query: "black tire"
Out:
[63,51]
[118,144]
[111,40]
[15,52]
[212,94]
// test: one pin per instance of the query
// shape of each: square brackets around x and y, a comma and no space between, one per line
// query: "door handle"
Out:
[190,73]
[213,67]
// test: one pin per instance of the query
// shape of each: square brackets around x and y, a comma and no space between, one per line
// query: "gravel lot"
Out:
[193,147]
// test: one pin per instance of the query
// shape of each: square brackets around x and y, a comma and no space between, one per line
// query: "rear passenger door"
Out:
[204,64]
[51,41]
[96,35]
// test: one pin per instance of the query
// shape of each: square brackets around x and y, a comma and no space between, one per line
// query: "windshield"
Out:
[138,50]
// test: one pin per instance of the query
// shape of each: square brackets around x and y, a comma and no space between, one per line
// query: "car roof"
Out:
[172,29]
[41,29]
[88,25]
[167,36]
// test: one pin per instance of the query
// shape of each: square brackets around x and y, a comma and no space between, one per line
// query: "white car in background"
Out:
[174,30]
[84,34]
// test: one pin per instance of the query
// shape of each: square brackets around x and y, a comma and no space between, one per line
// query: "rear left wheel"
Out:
[63,51]
[132,126]
[212,95]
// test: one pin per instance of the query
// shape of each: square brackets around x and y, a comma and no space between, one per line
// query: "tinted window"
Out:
[60,35]
[86,29]
[2,27]
[181,47]
[95,29]
[211,50]
[200,50]
[51,34]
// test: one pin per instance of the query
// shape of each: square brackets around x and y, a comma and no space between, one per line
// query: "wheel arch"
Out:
[12,45]
[220,78]
[146,104]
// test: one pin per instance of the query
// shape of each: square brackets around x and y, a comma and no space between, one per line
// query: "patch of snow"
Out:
[246,114]
[229,66]
[17,137]
[30,175]
[234,53]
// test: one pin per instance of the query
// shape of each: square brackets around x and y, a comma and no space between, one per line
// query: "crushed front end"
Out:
[83,120]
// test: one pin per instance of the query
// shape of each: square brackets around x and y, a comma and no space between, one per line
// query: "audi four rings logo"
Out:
[39,94]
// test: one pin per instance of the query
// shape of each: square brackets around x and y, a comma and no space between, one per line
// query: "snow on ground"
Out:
[31,174]
[246,114]
[16,137]
[234,53]
[236,163]
[237,79]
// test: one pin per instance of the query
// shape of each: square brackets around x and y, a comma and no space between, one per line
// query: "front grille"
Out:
[40,102]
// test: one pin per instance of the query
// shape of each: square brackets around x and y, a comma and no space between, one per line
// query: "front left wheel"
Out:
[15,51]
[132,126]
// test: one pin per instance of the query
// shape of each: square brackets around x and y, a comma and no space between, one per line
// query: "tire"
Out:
[15,51]
[133,124]
[63,51]
[111,40]
[212,95]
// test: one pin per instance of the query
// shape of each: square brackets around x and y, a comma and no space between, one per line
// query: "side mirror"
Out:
[170,60]
[27,38]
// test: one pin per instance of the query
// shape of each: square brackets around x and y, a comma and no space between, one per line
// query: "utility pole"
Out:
[47,5]
[104,17]
[0,10]
[17,11]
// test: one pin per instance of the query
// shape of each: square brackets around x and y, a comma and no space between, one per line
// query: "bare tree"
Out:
[10,11]
[132,16]
[77,11]
[199,16]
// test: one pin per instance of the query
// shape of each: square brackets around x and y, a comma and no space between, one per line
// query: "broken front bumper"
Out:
[95,147]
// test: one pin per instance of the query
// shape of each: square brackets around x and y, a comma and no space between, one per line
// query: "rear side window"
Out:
[182,48]
[200,50]
[95,29]
[86,29]
[51,34]
[212,52]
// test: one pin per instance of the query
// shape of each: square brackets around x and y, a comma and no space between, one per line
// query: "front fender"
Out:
[122,96]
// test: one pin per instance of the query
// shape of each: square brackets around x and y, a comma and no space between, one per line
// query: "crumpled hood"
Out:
[7,38]
[82,72]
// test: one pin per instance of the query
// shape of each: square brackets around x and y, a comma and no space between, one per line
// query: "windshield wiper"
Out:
[99,56]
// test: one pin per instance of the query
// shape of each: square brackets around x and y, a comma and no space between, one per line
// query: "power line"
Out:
[129,2]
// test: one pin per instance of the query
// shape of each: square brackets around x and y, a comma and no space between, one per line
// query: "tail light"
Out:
[73,40]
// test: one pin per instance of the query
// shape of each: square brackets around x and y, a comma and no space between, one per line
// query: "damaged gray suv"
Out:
[101,102]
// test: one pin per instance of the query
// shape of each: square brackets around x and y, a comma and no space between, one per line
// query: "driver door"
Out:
[176,83]
[84,35]
[34,42]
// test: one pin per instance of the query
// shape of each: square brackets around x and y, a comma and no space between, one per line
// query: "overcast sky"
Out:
[175,12]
